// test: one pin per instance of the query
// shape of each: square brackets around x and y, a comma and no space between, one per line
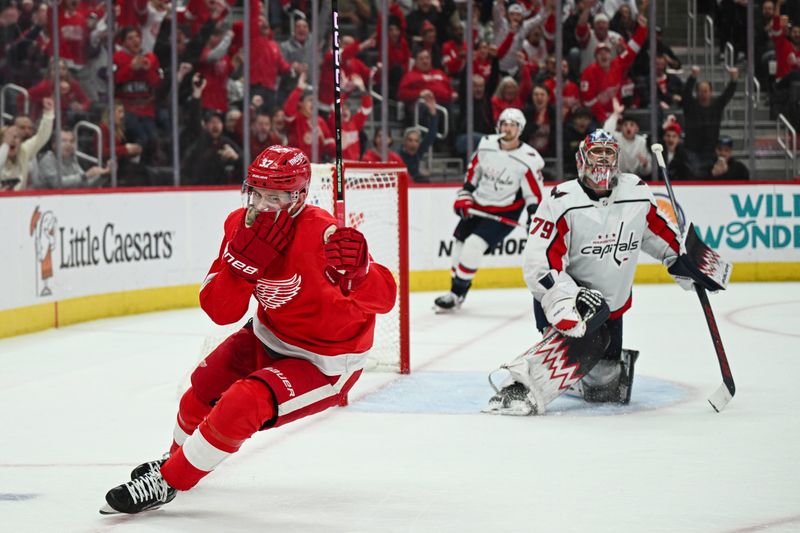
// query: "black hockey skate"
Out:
[618,390]
[149,466]
[145,493]
[511,400]
[448,302]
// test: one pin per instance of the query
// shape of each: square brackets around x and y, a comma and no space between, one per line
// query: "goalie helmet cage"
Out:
[376,204]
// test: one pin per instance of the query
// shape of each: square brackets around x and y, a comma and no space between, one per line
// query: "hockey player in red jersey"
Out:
[504,177]
[318,293]
[580,260]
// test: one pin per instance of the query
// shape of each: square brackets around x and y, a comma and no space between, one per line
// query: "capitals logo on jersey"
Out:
[614,243]
[274,293]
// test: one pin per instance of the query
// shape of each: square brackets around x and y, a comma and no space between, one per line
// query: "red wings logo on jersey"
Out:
[274,293]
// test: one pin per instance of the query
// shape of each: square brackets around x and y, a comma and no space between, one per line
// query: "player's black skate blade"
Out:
[145,493]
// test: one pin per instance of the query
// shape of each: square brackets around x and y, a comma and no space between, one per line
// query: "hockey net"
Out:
[376,205]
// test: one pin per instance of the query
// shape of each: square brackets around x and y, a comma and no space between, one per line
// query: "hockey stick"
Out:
[720,398]
[337,113]
[496,218]
[338,172]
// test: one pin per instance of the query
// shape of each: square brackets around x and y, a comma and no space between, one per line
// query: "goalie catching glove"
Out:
[699,264]
[574,310]
[254,247]
[348,259]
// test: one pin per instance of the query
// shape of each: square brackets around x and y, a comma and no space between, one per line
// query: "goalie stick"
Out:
[720,398]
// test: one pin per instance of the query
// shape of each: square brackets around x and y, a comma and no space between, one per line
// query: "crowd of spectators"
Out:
[606,73]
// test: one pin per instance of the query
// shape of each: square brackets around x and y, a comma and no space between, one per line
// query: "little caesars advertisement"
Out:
[66,246]
[745,223]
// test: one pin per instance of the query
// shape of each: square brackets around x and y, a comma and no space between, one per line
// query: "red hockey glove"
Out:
[348,259]
[253,248]
[464,202]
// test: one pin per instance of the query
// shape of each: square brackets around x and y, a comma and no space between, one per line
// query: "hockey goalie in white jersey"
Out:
[504,177]
[583,247]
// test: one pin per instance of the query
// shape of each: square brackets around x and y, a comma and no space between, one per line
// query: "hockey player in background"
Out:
[580,260]
[318,292]
[504,177]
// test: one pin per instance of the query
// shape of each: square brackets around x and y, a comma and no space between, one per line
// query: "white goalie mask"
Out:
[597,160]
[512,114]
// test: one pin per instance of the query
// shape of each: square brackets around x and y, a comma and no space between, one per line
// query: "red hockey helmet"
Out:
[281,168]
[597,160]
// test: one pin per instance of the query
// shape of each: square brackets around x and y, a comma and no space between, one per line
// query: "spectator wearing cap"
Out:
[605,79]
[727,167]
[702,119]
[214,159]
[634,157]
[575,132]
[590,36]
[427,11]
[511,34]
[299,128]
[429,43]
[674,151]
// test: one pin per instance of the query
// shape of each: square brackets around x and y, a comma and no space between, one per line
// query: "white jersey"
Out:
[596,243]
[501,180]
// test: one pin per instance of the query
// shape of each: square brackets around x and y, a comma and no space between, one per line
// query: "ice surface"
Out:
[79,406]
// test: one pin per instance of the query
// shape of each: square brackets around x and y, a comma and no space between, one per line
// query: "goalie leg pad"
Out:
[556,363]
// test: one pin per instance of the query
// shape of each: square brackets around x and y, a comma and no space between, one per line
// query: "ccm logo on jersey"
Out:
[605,244]
[238,265]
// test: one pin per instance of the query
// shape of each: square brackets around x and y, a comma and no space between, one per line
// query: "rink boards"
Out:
[92,254]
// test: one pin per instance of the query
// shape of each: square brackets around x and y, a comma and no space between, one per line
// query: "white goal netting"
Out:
[375,204]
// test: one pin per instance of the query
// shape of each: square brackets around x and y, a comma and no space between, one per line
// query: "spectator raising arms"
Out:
[16,155]
[703,116]
[604,79]
[299,127]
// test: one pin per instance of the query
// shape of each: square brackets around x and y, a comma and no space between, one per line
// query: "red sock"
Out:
[241,411]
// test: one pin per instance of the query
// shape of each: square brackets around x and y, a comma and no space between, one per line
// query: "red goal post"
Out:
[376,203]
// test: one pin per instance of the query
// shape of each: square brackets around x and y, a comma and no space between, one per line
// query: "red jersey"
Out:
[136,89]
[300,314]
[351,144]
[74,33]
[300,132]
[599,87]
[787,55]
[415,81]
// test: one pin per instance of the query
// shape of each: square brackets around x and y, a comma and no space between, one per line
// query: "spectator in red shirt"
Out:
[506,95]
[787,49]
[215,66]
[299,128]
[604,79]
[353,123]
[137,76]
[266,60]
[424,77]
[74,103]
